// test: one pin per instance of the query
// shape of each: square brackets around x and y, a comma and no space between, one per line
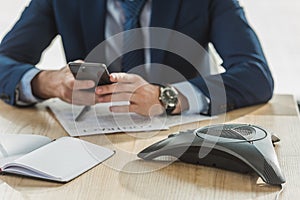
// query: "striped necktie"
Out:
[132,10]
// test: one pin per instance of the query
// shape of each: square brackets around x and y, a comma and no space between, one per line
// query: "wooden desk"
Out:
[175,181]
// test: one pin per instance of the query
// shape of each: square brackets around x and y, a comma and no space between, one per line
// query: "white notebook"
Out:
[38,156]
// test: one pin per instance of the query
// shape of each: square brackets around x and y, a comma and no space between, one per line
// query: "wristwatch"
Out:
[169,98]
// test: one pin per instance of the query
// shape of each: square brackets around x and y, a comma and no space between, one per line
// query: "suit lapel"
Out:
[164,15]
[93,15]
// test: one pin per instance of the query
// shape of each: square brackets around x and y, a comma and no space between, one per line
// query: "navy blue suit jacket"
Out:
[81,25]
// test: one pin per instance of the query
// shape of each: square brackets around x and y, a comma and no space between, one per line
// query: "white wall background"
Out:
[275,22]
[10,11]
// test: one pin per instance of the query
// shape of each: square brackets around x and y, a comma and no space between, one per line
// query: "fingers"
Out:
[136,98]
[124,78]
[123,83]
[143,97]
[83,84]
[114,97]
[115,88]
[83,98]
[71,89]
[71,82]
[122,96]
[126,87]
[79,61]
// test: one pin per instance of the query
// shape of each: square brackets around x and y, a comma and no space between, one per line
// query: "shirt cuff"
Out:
[24,96]
[198,102]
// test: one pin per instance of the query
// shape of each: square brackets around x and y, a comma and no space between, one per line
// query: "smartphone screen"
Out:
[90,71]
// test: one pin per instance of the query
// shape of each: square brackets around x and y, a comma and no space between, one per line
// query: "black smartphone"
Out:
[90,71]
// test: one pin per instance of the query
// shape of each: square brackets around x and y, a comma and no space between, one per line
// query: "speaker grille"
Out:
[230,131]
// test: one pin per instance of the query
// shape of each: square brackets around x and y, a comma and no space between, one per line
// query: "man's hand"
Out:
[62,84]
[143,96]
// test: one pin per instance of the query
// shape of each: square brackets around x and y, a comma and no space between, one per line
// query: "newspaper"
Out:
[99,120]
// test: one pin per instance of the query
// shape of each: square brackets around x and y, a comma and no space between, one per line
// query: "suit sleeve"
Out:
[21,48]
[247,79]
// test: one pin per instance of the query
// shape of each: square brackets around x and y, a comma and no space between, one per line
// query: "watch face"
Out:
[169,97]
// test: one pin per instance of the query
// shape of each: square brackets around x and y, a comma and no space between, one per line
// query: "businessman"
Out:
[83,24]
